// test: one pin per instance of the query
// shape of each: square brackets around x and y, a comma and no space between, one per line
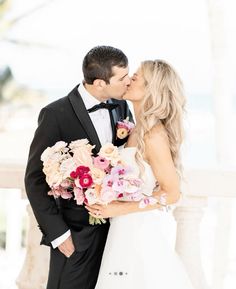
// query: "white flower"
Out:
[81,143]
[54,179]
[59,146]
[109,151]
[46,154]
[82,156]
[91,196]
[67,166]
[56,152]
[97,175]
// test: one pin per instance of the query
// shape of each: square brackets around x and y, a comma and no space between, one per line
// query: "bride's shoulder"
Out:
[157,135]
[157,145]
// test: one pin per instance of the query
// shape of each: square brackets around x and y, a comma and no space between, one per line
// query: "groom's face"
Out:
[136,91]
[119,83]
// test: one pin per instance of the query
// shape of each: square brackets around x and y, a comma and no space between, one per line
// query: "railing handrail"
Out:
[210,182]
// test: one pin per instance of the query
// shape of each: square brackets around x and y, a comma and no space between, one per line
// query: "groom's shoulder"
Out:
[56,104]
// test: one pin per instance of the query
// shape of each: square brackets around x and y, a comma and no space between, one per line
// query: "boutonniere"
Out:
[124,128]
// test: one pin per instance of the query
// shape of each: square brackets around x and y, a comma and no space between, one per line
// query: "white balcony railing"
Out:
[199,186]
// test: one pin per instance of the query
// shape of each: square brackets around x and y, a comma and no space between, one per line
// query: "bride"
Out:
[137,254]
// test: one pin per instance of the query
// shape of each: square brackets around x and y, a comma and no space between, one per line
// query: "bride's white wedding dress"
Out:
[137,254]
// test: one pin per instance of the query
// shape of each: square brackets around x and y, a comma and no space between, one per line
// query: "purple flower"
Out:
[120,170]
[147,201]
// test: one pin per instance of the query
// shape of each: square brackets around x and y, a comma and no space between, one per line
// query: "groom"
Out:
[90,111]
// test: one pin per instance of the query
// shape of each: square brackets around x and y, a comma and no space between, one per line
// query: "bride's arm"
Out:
[158,155]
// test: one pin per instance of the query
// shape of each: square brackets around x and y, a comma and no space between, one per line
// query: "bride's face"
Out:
[136,89]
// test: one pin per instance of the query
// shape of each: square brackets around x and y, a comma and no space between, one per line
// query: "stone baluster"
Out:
[188,215]
[34,272]
[223,230]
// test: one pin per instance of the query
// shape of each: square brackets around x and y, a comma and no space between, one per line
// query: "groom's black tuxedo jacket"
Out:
[64,120]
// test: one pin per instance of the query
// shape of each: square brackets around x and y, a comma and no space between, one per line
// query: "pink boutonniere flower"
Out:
[124,128]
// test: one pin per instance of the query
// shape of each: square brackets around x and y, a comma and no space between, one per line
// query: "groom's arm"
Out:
[44,206]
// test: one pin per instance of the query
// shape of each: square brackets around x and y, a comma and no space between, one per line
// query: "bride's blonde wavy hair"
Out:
[163,102]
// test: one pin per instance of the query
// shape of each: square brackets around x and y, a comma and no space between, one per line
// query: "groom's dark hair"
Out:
[98,63]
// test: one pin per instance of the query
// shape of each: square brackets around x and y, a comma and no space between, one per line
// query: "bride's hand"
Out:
[112,209]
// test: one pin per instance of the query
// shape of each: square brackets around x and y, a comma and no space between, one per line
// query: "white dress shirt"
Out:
[100,118]
[102,124]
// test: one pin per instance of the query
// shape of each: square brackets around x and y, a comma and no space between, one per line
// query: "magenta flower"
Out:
[101,163]
[120,195]
[81,170]
[74,175]
[85,181]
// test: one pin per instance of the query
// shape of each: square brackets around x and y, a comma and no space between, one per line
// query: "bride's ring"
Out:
[98,213]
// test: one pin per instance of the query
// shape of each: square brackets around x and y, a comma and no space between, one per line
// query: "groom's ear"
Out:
[99,84]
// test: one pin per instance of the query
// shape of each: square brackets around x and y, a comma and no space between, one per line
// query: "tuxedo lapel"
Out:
[114,119]
[83,116]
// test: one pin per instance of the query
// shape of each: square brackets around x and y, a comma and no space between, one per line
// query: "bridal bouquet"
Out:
[73,172]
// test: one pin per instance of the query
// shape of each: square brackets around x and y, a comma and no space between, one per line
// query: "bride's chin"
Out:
[125,96]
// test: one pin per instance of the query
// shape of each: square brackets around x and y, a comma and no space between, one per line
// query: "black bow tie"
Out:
[109,106]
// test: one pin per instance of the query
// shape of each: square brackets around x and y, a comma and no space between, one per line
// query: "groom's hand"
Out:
[67,247]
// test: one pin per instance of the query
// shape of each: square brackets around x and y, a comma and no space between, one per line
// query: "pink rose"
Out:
[65,194]
[59,191]
[101,163]
[66,183]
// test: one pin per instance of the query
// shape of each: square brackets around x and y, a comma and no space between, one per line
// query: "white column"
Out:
[34,272]
[188,215]
[224,127]
[221,244]
[221,82]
